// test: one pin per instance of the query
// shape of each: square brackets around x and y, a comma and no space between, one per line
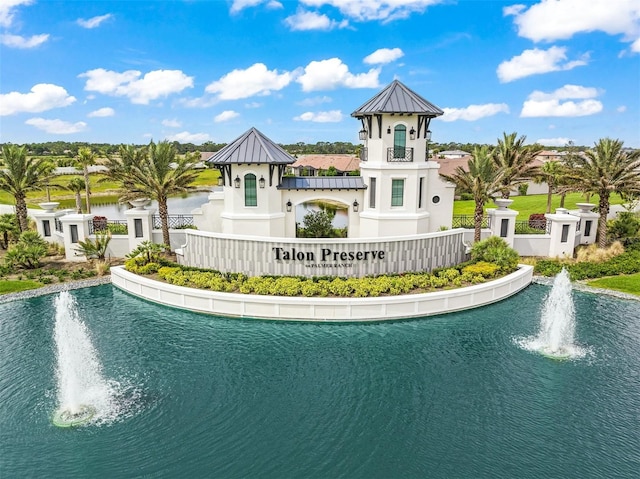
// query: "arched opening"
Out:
[399,141]
[322,218]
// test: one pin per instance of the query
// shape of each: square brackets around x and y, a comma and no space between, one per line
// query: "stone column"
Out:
[588,223]
[75,227]
[502,221]
[563,233]
[139,223]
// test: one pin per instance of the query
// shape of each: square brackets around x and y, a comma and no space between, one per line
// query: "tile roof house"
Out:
[313,165]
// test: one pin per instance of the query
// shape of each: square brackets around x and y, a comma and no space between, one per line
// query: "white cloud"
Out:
[255,80]
[186,137]
[153,85]
[17,41]
[366,10]
[253,104]
[94,21]
[621,109]
[57,127]
[551,20]
[560,141]
[332,116]
[383,55]
[174,123]
[7,10]
[635,46]
[561,102]
[332,73]
[239,5]
[102,112]
[536,61]
[42,97]
[474,112]
[316,100]
[226,116]
[304,20]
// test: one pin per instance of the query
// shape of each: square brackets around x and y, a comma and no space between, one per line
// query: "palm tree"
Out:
[515,160]
[603,170]
[482,179]
[155,172]
[86,158]
[76,185]
[20,175]
[552,173]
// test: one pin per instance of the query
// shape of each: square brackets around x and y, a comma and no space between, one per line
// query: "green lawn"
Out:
[14,286]
[102,190]
[527,205]
[625,283]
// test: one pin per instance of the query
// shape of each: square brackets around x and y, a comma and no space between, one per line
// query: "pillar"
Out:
[502,220]
[588,223]
[75,228]
[139,223]
[563,233]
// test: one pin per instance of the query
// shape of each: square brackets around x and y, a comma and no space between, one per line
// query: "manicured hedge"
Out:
[625,263]
[490,258]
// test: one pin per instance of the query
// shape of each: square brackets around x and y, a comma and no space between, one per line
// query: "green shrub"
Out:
[27,252]
[495,250]
[481,268]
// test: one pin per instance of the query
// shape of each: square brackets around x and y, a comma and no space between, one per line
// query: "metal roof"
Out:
[398,98]
[322,183]
[252,148]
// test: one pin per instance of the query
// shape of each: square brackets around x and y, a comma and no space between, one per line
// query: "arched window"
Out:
[399,141]
[250,191]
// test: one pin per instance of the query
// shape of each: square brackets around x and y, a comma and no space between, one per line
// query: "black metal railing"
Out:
[175,222]
[364,154]
[532,227]
[58,225]
[395,154]
[467,221]
[100,224]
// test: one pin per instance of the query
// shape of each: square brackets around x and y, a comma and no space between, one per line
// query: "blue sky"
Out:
[196,71]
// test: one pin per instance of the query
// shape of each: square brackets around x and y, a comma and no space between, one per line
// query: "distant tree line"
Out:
[71,149]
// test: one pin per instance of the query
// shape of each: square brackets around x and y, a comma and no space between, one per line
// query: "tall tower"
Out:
[405,194]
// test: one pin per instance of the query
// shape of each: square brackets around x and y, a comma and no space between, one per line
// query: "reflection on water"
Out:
[340,220]
[177,206]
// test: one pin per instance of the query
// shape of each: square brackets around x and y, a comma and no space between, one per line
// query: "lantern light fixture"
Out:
[236,182]
[362,134]
[428,135]
[388,130]
[220,181]
[412,134]
[289,205]
[261,181]
[356,205]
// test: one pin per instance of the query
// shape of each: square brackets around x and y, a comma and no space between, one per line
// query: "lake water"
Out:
[452,396]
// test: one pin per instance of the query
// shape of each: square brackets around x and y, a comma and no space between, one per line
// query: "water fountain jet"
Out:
[555,339]
[82,391]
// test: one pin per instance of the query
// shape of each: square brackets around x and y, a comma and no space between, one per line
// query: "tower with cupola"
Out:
[405,194]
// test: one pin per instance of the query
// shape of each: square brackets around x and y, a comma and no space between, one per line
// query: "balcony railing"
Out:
[175,222]
[403,155]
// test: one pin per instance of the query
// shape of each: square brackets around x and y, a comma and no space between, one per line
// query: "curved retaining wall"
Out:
[322,309]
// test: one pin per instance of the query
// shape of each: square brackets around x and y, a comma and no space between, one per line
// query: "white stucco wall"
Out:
[322,309]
